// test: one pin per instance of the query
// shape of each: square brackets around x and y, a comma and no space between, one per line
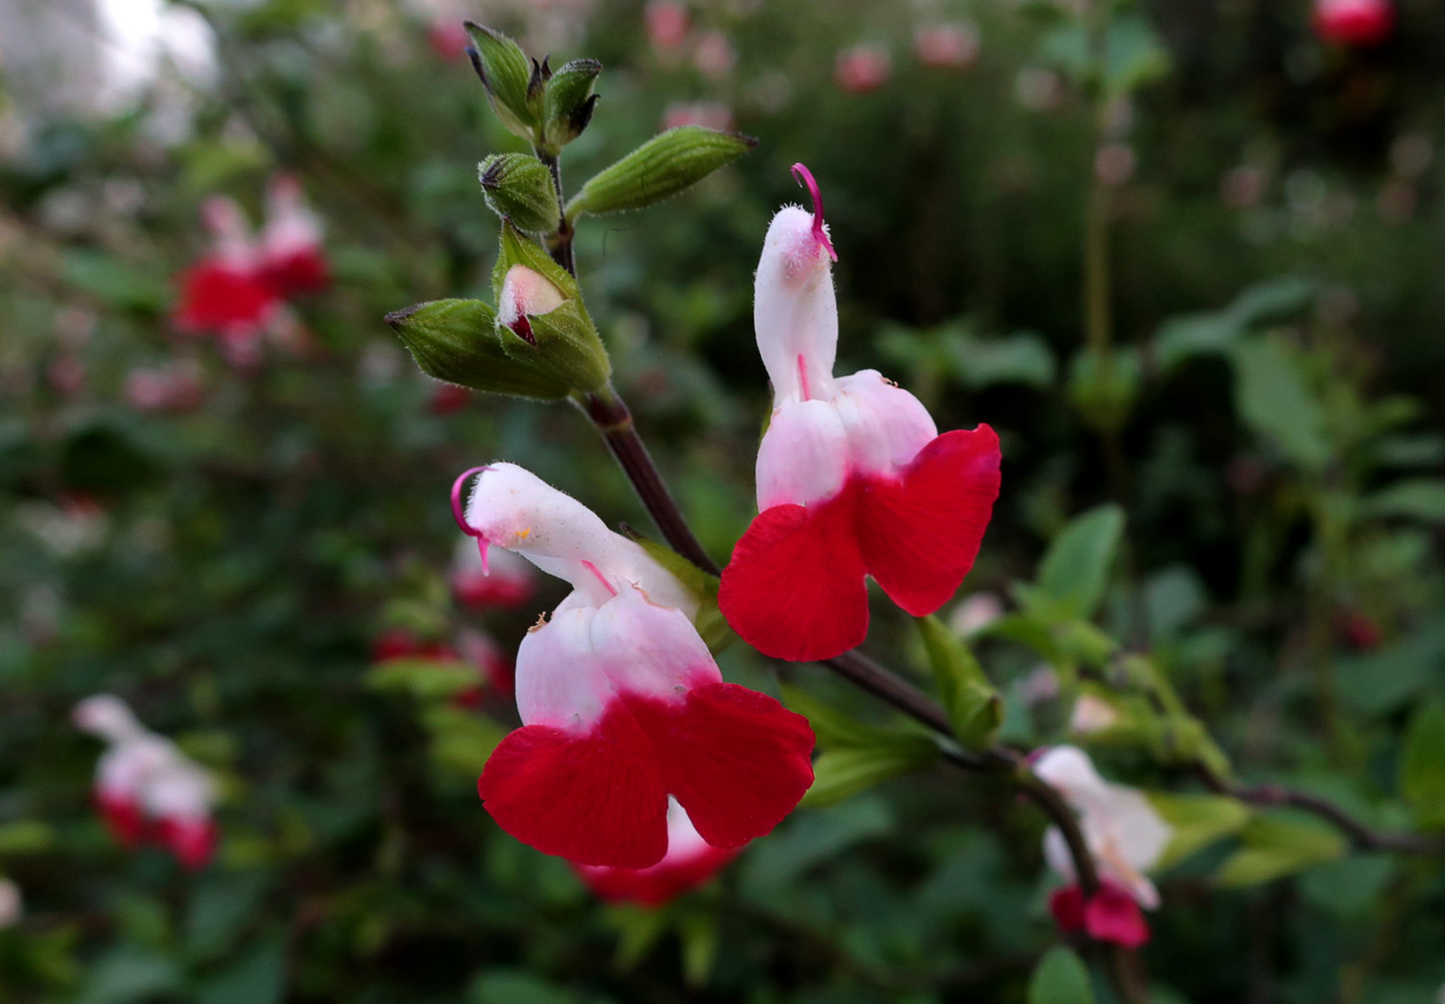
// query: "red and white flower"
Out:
[147,790]
[853,478]
[622,704]
[689,862]
[12,905]
[505,581]
[1126,838]
[1354,22]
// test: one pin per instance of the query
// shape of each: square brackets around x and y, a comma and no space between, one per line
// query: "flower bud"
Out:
[659,169]
[568,103]
[518,187]
[506,73]
[458,341]
[526,292]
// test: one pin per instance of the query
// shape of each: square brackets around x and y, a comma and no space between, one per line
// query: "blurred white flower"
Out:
[11,906]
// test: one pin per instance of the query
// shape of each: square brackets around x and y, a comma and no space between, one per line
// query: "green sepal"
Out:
[518,187]
[565,342]
[458,341]
[975,708]
[569,101]
[658,170]
[506,73]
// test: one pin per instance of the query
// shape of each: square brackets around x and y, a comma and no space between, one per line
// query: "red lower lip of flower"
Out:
[795,586]
[1111,915]
[737,761]
[659,884]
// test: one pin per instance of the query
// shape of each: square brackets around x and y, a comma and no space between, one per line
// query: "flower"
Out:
[504,581]
[11,904]
[239,289]
[714,56]
[852,475]
[174,387]
[667,25]
[526,293]
[947,46]
[862,69]
[708,114]
[975,613]
[1092,714]
[621,703]
[1126,838]
[473,650]
[1353,22]
[689,862]
[147,790]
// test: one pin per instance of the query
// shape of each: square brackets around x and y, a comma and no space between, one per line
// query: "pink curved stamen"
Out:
[805,177]
[460,516]
[600,577]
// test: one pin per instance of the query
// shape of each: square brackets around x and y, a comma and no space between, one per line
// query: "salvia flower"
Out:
[506,580]
[689,862]
[1354,22]
[622,704]
[853,478]
[862,69]
[1126,838]
[147,790]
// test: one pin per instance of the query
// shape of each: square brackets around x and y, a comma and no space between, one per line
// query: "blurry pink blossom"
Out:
[667,25]
[507,580]
[708,114]
[10,903]
[975,613]
[447,398]
[1354,22]
[714,56]
[447,39]
[947,46]
[174,387]
[862,69]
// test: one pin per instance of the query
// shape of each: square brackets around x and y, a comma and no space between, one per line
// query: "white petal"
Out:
[108,717]
[526,293]
[1057,856]
[886,425]
[804,454]
[795,313]
[291,226]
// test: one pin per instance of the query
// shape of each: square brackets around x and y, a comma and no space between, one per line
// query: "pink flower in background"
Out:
[146,790]
[474,650]
[238,291]
[947,46]
[862,69]
[448,398]
[174,387]
[1354,22]
[708,114]
[507,580]
[853,479]
[714,56]
[622,704]
[11,904]
[1126,837]
[667,23]
[447,39]
[689,862]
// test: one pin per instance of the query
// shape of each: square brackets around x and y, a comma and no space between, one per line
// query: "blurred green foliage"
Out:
[1255,581]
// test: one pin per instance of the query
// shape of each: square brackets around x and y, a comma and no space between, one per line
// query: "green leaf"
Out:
[461,740]
[638,930]
[457,341]
[126,975]
[1075,568]
[426,679]
[975,708]
[699,935]
[258,978]
[1273,399]
[1422,765]
[506,73]
[518,187]
[1274,848]
[837,730]
[1021,358]
[25,836]
[1418,498]
[1104,388]
[118,283]
[1060,978]
[1197,821]
[659,169]
[843,772]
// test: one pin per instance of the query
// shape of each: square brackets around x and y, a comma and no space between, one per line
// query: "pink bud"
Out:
[947,46]
[862,69]
[526,293]
[1354,22]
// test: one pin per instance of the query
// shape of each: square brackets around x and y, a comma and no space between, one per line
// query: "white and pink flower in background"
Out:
[947,46]
[708,114]
[622,704]
[862,69]
[146,790]
[505,581]
[1126,838]
[12,905]
[853,478]
[173,387]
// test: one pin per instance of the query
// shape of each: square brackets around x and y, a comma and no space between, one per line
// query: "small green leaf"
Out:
[258,978]
[843,772]
[1060,978]
[457,341]
[1075,568]
[975,708]
[427,679]
[461,740]
[506,73]
[1104,388]
[659,169]
[1422,765]
[836,730]
[1418,498]
[699,936]
[25,836]
[1197,821]
[1274,848]
[1274,400]
[518,187]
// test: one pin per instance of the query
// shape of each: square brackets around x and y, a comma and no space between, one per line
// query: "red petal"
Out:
[1113,915]
[595,798]
[122,817]
[1067,906]
[794,587]
[737,760]
[656,885]
[192,841]
[919,534]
